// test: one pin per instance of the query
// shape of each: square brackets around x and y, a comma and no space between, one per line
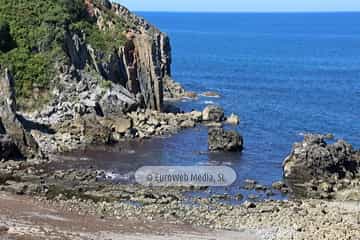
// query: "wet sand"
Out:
[22,217]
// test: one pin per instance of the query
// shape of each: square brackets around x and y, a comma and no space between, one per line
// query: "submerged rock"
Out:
[221,140]
[211,94]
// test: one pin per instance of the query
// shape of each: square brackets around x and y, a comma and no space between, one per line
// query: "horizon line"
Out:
[175,11]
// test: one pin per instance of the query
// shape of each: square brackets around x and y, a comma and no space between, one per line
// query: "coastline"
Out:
[42,199]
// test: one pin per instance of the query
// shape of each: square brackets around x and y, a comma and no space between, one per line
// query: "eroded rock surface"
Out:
[221,140]
[322,169]
[10,124]
[213,113]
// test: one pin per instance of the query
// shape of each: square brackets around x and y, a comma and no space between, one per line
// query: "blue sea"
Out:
[283,74]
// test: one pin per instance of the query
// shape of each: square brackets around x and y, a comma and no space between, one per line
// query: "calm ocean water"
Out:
[283,74]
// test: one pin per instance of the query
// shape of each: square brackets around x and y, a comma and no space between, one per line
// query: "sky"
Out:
[242,5]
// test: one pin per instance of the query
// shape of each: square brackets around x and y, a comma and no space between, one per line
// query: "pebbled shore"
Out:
[83,194]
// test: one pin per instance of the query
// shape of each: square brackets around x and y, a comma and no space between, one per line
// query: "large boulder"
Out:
[213,113]
[221,140]
[9,121]
[320,166]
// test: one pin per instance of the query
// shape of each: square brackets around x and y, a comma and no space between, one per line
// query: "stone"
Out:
[213,113]
[10,122]
[196,116]
[75,46]
[221,140]
[84,130]
[119,125]
[259,187]
[116,101]
[122,125]
[278,185]
[233,119]
[16,187]
[249,205]
[314,162]
[190,95]
[3,229]
[173,90]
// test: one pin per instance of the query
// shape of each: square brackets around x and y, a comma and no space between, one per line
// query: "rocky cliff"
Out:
[80,68]
[99,57]
[139,67]
[131,76]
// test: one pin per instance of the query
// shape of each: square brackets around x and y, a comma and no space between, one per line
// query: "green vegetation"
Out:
[32,37]
[104,41]
[105,84]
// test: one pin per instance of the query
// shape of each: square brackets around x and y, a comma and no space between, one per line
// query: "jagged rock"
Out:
[187,124]
[10,122]
[233,119]
[221,140]
[75,47]
[248,204]
[319,165]
[172,89]
[197,116]
[119,125]
[3,229]
[16,187]
[314,158]
[82,131]
[211,94]
[117,100]
[7,147]
[278,185]
[213,113]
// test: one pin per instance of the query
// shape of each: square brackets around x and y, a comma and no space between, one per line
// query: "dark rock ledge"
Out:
[318,169]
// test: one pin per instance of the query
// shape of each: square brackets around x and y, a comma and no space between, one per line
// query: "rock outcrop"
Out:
[321,168]
[221,140]
[10,125]
[213,113]
[132,76]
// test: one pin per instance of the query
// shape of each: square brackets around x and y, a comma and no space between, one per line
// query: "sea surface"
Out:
[283,74]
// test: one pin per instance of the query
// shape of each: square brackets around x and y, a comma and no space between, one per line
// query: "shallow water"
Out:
[284,74]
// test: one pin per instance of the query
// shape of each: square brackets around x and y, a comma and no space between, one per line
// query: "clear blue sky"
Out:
[242,5]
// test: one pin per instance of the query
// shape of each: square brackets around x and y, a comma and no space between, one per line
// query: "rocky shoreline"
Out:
[127,95]
[84,192]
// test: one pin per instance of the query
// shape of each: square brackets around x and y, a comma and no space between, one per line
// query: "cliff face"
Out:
[73,57]
[93,62]
[15,141]
[139,67]
[147,58]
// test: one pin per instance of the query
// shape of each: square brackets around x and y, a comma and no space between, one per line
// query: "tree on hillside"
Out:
[6,41]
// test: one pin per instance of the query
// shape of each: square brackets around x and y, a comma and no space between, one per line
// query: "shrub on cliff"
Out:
[32,38]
